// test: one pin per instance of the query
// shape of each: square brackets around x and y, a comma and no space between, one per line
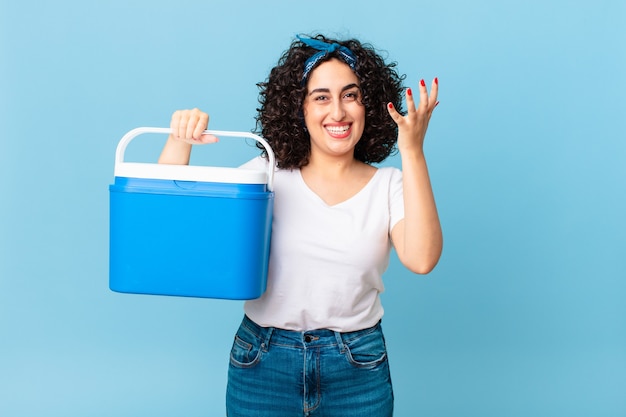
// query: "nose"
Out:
[338,111]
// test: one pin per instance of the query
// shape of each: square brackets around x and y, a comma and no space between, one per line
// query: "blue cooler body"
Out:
[189,231]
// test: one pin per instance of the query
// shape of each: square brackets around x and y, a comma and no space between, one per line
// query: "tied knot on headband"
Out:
[325,49]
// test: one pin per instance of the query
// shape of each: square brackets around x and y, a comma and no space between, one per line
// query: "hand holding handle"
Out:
[121,146]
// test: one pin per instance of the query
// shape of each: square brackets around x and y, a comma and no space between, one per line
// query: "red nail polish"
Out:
[390,105]
[409,92]
[423,83]
[436,81]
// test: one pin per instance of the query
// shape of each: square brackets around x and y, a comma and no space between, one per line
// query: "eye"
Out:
[351,95]
[321,97]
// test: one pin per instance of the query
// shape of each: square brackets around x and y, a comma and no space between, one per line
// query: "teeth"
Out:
[337,130]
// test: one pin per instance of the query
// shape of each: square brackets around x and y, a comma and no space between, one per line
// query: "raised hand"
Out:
[412,127]
[417,238]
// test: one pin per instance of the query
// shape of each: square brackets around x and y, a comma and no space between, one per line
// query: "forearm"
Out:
[422,239]
[175,152]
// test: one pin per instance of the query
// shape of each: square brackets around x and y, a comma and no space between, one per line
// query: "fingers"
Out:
[189,128]
[434,92]
[410,100]
[428,102]
[397,117]
[188,125]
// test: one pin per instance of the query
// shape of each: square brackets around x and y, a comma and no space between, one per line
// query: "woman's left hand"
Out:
[412,127]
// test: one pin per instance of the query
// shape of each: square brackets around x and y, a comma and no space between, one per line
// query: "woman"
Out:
[312,345]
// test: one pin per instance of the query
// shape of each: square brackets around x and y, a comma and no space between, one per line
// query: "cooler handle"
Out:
[121,146]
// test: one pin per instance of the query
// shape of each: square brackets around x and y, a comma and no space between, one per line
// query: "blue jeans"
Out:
[319,373]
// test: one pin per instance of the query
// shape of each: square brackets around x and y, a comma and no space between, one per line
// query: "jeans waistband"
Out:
[308,338]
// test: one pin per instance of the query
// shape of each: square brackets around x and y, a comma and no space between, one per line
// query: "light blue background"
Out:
[525,314]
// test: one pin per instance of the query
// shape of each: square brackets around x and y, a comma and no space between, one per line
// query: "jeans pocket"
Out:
[367,351]
[246,349]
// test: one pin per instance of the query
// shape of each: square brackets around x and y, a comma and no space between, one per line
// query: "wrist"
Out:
[411,152]
[175,152]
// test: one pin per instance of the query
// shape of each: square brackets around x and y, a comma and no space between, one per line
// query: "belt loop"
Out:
[342,347]
[268,336]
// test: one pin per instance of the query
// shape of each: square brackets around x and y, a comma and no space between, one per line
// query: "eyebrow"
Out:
[327,90]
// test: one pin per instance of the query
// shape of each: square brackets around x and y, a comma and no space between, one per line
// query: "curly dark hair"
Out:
[280,119]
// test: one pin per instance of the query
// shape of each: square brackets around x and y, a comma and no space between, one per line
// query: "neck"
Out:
[330,167]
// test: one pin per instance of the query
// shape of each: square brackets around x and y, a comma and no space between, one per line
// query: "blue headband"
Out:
[324,49]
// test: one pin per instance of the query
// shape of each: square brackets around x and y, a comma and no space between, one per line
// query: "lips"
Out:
[338,131]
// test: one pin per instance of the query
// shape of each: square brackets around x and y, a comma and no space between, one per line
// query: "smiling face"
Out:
[333,113]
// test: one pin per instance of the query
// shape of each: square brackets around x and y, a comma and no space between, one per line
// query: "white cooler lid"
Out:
[190,173]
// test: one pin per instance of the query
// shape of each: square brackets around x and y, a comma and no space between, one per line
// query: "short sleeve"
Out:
[396,198]
[258,163]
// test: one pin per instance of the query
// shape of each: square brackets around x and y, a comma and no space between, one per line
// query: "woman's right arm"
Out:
[187,127]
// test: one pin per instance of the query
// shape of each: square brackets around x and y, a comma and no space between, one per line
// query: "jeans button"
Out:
[308,338]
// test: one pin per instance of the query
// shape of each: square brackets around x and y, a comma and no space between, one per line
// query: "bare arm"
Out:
[418,237]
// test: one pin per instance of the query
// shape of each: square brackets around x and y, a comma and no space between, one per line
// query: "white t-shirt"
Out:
[326,262]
